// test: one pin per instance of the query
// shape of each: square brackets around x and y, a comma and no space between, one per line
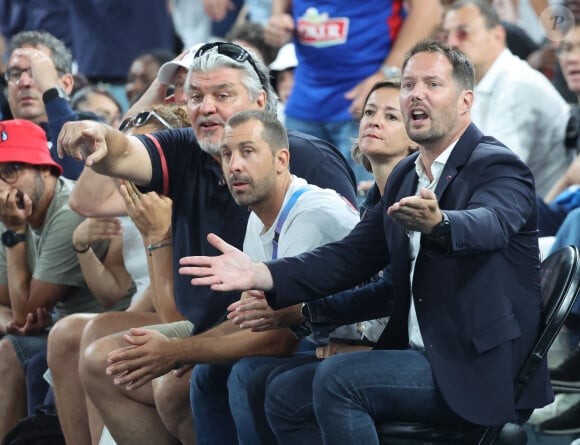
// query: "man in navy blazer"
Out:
[458,226]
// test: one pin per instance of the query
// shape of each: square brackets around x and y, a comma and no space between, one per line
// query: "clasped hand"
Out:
[147,357]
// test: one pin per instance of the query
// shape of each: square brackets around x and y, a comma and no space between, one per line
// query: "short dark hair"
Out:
[490,16]
[273,131]
[59,53]
[462,69]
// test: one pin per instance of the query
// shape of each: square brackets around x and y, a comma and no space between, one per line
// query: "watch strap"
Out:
[53,93]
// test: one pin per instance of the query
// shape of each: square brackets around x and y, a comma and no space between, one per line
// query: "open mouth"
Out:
[418,115]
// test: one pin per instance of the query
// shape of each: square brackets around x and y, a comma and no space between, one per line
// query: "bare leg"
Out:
[99,327]
[63,355]
[12,388]
[172,400]
[131,416]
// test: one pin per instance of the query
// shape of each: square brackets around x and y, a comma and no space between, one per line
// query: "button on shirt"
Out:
[415,337]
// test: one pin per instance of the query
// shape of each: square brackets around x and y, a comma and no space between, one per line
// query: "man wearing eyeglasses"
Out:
[515,103]
[39,78]
[183,164]
[39,269]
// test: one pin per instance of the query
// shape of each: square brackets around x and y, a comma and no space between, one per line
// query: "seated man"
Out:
[458,226]
[289,216]
[39,269]
[224,79]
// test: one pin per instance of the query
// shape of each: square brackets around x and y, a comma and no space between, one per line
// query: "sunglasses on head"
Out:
[234,52]
[141,119]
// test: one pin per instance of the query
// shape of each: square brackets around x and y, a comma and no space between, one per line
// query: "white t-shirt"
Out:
[318,217]
[134,256]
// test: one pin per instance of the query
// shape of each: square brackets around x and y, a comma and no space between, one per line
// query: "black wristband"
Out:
[81,250]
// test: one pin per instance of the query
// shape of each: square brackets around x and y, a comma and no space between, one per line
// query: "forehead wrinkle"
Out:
[217,87]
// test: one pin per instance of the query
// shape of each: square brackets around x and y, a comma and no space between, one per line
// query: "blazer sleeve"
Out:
[500,202]
[333,267]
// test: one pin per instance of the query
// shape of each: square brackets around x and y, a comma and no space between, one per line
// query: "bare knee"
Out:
[93,358]
[64,340]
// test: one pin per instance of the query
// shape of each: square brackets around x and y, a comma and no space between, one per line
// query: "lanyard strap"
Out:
[283,215]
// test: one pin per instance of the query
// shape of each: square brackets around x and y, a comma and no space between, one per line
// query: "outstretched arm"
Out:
[231,271]
[106,150]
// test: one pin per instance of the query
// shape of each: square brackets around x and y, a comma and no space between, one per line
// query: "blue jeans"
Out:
[349,393]
[247,387]
[341,134]
[208,395]
[569,235]
[216,388]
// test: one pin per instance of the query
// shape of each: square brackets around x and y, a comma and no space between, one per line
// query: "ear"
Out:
[466,101]
[500,34]
[261,102]
[282,159]
[67,82]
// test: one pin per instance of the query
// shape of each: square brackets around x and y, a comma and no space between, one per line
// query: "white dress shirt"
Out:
[519,106]
[415,337]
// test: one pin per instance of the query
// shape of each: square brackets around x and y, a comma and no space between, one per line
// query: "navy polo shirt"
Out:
[202,204]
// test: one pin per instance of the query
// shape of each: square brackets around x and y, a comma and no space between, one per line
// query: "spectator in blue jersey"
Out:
[343,49]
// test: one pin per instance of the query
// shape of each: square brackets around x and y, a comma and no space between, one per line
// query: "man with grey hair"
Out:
[39,78]
[224,79]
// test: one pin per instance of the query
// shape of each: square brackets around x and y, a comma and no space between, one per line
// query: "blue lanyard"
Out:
[283,215]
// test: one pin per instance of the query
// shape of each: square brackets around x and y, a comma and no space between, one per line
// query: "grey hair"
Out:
[212,60]
[59,53]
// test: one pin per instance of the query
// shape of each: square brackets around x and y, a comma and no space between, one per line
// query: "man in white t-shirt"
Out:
[289,216]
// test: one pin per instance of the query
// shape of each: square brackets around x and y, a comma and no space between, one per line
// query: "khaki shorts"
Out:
[176,329]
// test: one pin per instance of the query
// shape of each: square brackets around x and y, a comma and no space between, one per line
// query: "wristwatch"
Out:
[53,93]
[10,238]
[391,72]
[441,230]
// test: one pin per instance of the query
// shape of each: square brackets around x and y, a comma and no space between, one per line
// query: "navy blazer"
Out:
[478,304]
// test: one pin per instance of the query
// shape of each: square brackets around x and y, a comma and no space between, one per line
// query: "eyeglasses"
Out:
[13,75]
[141,119]
[461,34]
[568,48]
[10,174]
[234,52]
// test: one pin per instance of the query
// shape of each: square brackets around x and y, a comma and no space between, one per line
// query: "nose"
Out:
[179,96]
[234,163]
[207,105]
[452,39]
[25,79]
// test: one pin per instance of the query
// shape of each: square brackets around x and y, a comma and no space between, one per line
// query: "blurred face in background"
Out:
[569,59]
[103,107]
[24,97]
[142,73]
